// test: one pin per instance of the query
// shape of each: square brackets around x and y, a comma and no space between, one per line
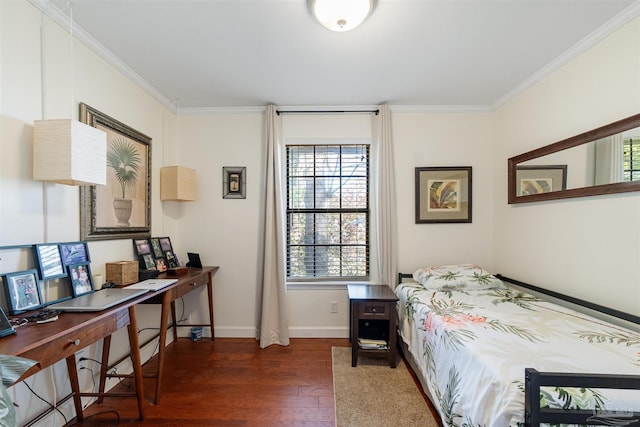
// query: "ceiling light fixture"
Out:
[340,15]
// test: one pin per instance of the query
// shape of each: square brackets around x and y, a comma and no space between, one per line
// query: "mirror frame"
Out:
[589,136]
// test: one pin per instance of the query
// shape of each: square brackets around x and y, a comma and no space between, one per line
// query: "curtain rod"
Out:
[278,112]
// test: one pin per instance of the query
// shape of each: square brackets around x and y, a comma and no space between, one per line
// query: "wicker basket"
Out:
[122,272]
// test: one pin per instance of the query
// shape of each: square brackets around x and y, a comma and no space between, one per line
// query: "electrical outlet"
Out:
[81,353]
[334,306]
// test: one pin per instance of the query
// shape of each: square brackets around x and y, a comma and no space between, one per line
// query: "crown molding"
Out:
[57,15]
[582,46]
[79,33]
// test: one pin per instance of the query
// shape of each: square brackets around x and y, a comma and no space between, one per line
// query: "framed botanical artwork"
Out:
[23,291]
[122,208]
[234,185]
[74,253]
[81,281]
[443,194]
[49,261]
[540,179]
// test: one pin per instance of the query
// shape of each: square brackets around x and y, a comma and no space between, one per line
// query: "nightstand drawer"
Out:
[378,310]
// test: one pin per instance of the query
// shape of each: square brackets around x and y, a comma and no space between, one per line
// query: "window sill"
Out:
[322,285]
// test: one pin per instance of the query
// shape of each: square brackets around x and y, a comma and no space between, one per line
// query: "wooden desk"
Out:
[194,279]
[48,343]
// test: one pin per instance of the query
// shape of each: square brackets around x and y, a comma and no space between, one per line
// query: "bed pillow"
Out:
[456,276]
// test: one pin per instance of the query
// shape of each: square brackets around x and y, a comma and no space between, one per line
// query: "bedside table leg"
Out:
[354,334]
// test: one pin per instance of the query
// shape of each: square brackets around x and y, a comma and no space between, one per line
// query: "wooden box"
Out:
[122,272]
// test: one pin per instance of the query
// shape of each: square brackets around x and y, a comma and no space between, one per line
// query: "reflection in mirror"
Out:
[605,160]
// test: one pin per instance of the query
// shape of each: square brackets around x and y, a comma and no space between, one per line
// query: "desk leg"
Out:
[175,321]
[134,346]
[104,366]
[72,369]
[210,297]
[164,322]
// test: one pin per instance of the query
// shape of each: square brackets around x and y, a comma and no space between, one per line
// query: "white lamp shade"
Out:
[177,183]
[69,152]
[341,15]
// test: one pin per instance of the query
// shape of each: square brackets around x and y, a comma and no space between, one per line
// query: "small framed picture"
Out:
[156,248]
[165,244]
[540,179]
[81,281]
[74,253]
[148,262]
[49,261]
[234,182]
[172,260]
[142,246]
[443,194]
[23,291]
[161,264]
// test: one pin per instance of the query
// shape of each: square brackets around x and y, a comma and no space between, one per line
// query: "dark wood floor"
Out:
[232,382]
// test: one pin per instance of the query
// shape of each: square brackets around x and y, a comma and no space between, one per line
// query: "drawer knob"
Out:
[374,310]
[76,342]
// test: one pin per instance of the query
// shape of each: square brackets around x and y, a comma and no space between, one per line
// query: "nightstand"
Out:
[373,322]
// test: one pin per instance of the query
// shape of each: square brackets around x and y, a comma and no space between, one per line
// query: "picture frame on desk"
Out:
[142,246]
[81,279]
[156,248]
[147,262]
[161,265]
[74,253]
[165,244]
[172,259]
[23,291]
[49,261]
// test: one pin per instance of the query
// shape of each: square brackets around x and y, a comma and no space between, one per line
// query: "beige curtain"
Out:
[385,218]
[274,324]
[609,160]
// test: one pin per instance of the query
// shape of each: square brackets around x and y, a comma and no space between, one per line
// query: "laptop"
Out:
[152,284]
[5,326]
[99,300]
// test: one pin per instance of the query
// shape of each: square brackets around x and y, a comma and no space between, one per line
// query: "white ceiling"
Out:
[207,54]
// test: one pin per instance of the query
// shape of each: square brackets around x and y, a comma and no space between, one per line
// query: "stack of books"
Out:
[369,344]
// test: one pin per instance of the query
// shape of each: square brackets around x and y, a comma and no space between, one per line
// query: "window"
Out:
[631,148]
[327,212]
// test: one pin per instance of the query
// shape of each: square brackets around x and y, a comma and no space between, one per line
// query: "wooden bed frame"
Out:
[534,380]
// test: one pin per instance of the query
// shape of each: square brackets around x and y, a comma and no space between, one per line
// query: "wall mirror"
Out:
[605,160]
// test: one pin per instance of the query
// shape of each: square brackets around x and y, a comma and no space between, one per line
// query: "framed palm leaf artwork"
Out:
[121,209]
[443,194]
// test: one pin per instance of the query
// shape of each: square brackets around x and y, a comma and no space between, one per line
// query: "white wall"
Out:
[588,248]
[32,212]
[226,232]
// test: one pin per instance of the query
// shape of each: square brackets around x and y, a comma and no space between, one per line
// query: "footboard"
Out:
[534,415]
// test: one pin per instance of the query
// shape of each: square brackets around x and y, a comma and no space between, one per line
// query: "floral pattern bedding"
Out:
[473,339]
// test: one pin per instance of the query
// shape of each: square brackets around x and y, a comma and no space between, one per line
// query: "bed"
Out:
[489,353]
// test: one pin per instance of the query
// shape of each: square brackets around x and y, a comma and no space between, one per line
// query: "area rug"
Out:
[373,394]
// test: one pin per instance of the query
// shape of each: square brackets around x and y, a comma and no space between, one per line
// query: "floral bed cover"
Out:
[472,344]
